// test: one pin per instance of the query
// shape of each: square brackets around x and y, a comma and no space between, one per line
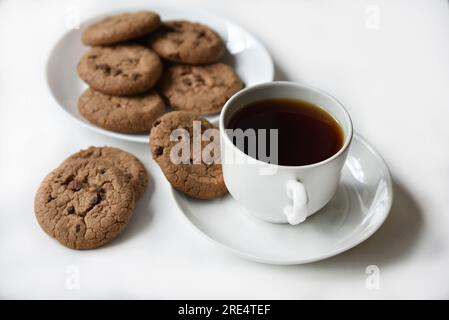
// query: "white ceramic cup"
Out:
[276,193]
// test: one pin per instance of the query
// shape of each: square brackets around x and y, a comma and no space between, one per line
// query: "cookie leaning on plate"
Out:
[202,89]
[132,114]
[197,180]
[187,42]
[126,162]
[120,70]
[119,28]
[84,203]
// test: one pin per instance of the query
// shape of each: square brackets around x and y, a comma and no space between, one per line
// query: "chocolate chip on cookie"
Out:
[126,162]
[122,27]
[120,70]
[132,114]
[88,215]
[191,175]
[187,42]
[202,89]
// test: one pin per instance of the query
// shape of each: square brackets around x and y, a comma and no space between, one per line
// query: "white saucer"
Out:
[358,209]
[246,54]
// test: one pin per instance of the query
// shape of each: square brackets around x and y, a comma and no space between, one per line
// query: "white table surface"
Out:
[392,76]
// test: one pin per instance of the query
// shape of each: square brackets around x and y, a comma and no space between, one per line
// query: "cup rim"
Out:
[297,85]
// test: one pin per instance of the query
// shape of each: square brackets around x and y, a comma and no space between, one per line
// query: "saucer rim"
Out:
[342,249]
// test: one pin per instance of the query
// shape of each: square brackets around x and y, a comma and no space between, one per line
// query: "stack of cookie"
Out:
[125,72]
[121,74]
[195,80]
[89,199]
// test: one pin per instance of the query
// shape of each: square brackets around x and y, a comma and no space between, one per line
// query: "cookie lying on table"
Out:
[89,199]
[191,174]
[125,161]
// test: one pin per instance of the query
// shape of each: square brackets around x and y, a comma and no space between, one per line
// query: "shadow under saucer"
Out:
[392,242]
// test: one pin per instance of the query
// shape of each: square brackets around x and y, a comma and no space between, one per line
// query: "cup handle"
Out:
[296,213]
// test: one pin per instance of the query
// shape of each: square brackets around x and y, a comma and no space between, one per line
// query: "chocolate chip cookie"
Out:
[126,162]
[191,173]
[202,89]
[187,42]
[85,203]
[120,70]
[132,114]
[119,28]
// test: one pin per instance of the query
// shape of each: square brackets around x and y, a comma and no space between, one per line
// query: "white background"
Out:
[393,79]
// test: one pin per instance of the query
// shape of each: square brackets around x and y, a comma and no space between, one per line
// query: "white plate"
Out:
[358,209]
[246,54]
